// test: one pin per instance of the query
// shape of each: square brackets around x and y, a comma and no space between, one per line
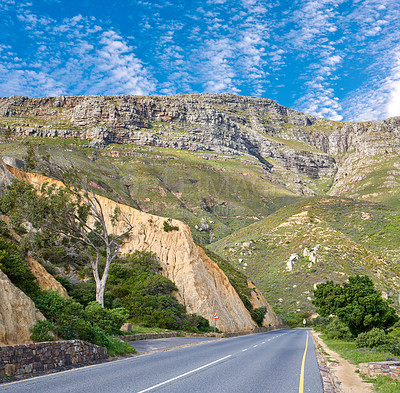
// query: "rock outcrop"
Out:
[202,286]
[281,139]
[258,300]
[17,314]
[45,280]
[224,123]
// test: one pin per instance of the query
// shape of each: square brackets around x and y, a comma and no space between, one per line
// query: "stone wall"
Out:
[19,360]
[389,369]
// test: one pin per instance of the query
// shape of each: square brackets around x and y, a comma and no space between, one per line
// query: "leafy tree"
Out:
[71,211]
[356,303]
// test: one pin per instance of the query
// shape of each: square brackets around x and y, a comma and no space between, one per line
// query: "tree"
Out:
[69,210]
[356,303]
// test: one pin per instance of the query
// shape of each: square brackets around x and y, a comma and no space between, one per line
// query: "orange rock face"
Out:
[17,314]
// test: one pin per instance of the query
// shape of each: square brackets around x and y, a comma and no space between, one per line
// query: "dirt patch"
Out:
[341,370]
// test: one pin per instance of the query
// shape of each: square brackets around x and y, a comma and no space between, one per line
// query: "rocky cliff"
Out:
[276,136]
[17,314]
[202,286]
[223,123]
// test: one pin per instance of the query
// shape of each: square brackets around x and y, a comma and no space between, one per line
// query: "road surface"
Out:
[281,361]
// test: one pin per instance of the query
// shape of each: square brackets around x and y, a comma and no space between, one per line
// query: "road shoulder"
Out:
[339,375]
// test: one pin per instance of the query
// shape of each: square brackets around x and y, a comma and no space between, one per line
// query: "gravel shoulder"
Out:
[338,374]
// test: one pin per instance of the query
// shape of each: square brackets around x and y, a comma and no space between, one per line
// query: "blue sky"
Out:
[338,59]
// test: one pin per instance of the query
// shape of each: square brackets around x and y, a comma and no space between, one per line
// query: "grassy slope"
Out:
[228,193]
[353,238]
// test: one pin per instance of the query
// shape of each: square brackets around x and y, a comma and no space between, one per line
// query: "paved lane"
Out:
[268,363]
[145,346]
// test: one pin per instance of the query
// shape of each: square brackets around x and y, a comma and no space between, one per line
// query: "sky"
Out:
[338,59]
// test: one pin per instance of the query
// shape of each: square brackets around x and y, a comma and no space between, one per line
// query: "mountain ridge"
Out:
[221,162]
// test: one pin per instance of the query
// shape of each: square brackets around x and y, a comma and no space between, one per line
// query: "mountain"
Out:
[203,287]
[238,171]
[291,251]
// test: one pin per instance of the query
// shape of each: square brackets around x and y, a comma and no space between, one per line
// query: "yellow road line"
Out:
[301,385]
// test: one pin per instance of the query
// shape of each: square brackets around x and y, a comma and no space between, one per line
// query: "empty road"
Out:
[281,361]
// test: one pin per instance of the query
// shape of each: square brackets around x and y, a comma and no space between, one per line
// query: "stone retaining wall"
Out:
[151,336]
[18,360]
[389,369]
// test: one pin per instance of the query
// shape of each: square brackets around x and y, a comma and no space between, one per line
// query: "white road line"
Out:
[244,350]
[183,375]
[254,346]
[263,342]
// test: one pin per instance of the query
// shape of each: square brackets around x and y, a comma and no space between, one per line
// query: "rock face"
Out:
[281,139]
[17,314]
[45,280]
[202,286]
[258,300]
[224,123]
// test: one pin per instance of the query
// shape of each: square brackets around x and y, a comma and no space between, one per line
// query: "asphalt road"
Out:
[267,362]
[159,344]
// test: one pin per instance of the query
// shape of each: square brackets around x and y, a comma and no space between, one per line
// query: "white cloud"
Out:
[393,105]
[119,71]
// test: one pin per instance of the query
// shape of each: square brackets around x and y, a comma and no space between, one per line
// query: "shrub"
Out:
[41,331]
[109,320]
[17,269]
[394,339]
[337,330]
[168,227]
[374,338]
[116,347]
[258,314]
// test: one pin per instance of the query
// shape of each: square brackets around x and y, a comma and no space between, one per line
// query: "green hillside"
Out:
[217,193]
[348,237]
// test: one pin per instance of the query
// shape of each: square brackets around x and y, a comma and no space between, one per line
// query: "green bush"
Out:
[374,338]
[168,227]
[336,329]
[117,347]
[258,314]
[41,331]
[394,339]
[17,269]
[356,303]
[109,320]
[148,296]
[72,321]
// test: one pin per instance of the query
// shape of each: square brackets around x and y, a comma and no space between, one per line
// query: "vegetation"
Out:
[17,268]
[67,319]
[348,350]
[366,328]
[168,227]
[351,238]
[69,213]
[258,314]
[148,296]
[356,303]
